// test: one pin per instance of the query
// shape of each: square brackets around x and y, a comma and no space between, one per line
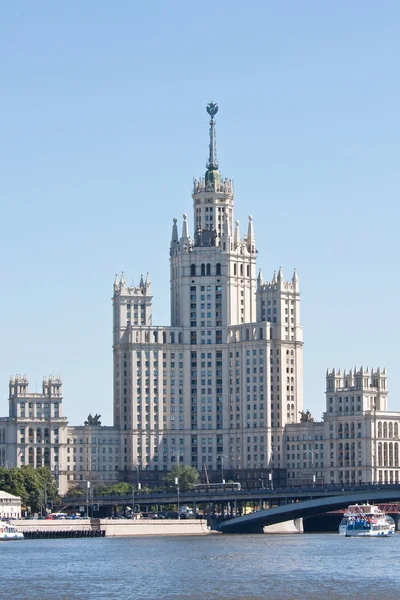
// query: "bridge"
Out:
[282,503]
[255,522]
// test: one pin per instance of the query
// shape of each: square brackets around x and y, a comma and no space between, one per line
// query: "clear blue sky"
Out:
[104,125]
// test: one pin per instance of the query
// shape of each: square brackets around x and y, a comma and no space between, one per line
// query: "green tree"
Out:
[187,476]
[34,486]
[12,481]
[121,488]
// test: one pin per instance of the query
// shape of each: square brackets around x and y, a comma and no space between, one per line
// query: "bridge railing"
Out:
[201,496]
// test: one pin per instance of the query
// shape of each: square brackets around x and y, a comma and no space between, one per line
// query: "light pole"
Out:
[177,488]
[373,449]
[221,456]
[43,507]
[312,466]
[87,498]
[133,498]
[92,498]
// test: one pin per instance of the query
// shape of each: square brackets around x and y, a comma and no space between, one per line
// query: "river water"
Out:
[215,567]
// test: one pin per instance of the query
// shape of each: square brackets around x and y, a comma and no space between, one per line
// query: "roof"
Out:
[6,495]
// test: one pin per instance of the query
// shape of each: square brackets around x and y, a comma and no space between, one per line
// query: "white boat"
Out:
[367,521]
[370,511]
[9,532]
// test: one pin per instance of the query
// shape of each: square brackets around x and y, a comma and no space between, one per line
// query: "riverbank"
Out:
[111,527]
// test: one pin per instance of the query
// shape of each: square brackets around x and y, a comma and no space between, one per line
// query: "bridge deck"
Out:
[255,522]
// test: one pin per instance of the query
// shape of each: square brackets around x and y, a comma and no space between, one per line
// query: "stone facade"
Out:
[34,433]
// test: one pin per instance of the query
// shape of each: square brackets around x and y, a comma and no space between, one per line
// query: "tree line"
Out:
[186,475]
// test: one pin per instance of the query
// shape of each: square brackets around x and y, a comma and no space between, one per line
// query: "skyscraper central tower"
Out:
[218,385]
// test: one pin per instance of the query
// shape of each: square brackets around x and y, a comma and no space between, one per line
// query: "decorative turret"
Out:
[250,236]
[260,279]
[295,280]
[226,227]
[185,228]
[174,237]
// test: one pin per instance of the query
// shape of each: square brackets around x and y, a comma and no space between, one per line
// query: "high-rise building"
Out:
[217,386]
[221,386]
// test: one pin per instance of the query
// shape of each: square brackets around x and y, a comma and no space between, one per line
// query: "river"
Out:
[215,567]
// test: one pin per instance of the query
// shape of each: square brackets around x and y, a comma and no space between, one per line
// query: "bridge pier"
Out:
[396,519]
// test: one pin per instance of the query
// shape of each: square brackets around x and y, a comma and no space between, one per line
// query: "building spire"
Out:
[213,176]
[212,164]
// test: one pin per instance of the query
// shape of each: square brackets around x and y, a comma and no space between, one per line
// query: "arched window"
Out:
[396,430]
[391,454]
[385,430]
[241,270]
[235,269]
[203,269]
[218,267]
[208,269]
[172,338]
[164,337]
[390,430]
[180,338]
[248,270]
[193,270]
[155,337]
[261,333]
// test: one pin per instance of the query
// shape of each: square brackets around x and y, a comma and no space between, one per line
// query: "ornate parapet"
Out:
[224,186]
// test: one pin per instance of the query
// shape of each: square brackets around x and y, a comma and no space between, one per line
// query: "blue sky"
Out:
[104,126]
